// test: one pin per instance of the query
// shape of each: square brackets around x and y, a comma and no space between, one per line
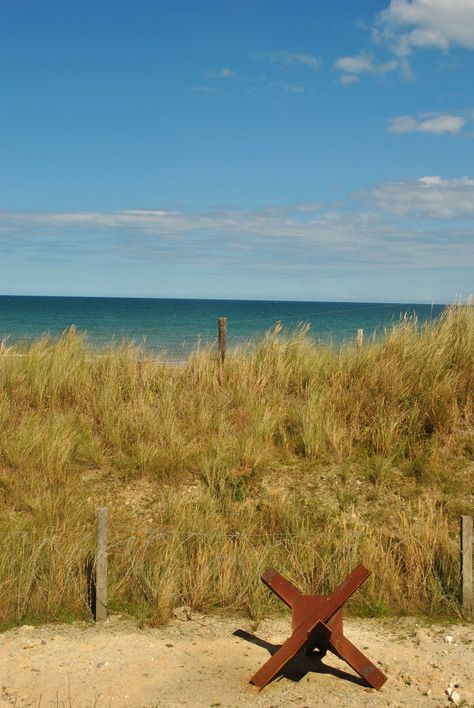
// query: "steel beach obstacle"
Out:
[317,624]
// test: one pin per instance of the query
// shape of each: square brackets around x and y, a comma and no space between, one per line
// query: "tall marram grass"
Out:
[294,454]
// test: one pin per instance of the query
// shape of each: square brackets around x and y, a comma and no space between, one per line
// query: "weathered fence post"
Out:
[222,329]
[101,564]
[360,338]
[466,566]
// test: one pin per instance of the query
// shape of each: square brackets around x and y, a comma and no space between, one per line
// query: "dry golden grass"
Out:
[293,454]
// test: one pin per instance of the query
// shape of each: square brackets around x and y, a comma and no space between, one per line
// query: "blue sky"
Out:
[261,149]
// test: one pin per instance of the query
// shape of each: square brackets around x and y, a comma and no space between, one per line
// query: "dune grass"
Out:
[293,453]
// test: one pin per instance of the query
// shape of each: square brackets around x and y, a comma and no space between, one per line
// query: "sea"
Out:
[172,328]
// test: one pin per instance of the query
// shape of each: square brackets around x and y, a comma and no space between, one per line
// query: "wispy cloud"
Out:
[428,197]
[352,66]
[308,207]
[203,89]
[348,79]
[222,73]
[364,63]
[297,87]
[425,223]
[291,73]
[284,58]
[435,123]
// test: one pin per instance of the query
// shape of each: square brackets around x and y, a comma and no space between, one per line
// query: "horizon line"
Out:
[234,299]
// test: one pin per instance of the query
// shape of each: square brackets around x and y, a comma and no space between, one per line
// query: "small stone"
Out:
[448,639]
[183,613]
[453,696]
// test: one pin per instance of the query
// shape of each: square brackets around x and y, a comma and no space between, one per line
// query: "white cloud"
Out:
[440,24]
[286,58]
[353,66]
[223,73]
[348,79]
[427,24]
[203,89]
[415,224]
[428,197]
[307,207]
[406,25]
[438,124]
[362,63]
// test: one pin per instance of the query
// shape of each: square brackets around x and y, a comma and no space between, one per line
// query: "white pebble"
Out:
[453,696]
[448,639]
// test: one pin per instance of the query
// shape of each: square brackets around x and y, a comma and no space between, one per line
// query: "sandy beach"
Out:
[207,661]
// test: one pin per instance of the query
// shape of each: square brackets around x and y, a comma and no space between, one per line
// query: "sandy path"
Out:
[202,663]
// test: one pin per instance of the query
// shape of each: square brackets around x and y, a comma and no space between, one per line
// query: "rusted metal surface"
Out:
[281,586]
[343,648]
[317,624]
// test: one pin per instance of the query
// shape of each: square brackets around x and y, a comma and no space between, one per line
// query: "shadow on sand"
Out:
[302,664]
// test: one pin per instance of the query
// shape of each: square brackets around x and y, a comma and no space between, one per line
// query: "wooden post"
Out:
[222,329]
[466,566]
[101,564]
[360,338]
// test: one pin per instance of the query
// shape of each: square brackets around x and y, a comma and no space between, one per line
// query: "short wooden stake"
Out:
[360,337]
[101,564]
[222,330]
[466,566]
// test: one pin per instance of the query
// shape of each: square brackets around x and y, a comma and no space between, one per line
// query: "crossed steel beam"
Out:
[317,624]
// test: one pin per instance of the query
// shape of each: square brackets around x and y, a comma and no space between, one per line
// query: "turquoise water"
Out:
[173,327]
